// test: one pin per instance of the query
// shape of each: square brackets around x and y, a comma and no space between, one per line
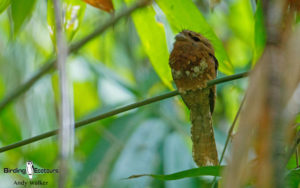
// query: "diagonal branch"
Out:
[118,111]
[229,135]
[24,87]
[48,65]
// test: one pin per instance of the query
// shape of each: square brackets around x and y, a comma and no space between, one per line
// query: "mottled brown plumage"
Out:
[193,63]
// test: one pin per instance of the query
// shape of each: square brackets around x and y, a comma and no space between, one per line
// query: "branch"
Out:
[48,65]
[231,129]
[229,134]
[77,45]
[24,87]
[118,111]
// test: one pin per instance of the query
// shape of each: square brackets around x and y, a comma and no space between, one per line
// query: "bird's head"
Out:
[195,39]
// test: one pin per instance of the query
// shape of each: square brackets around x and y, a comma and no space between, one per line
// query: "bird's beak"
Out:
[180,36]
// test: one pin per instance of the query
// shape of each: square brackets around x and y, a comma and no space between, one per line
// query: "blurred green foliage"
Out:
[151,34]
[3,5]
[73,12]
[20,11]
[127,63]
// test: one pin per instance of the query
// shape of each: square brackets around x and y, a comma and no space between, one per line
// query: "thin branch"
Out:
[229,134]
[118,111]
[231,129]
[24,87]
[77,45]
[48,65]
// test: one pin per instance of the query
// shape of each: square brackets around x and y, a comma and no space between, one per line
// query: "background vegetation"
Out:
[126,63]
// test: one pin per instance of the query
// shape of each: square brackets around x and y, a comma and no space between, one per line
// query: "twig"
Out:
[118,111]
[77,45]
[229,134]
[24,87]
[231,129]
[48,65]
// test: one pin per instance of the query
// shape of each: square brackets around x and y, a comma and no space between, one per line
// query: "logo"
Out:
[30,171]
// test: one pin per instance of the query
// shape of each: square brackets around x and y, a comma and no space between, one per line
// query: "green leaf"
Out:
[293,178]
[87,91]
[9,125]
[2,85]
[21,10]
[243,24]
[3,5]
[73,14]
[240,47]
[153,39]
[195,172]
[259,33]
[298,18]
[185,15]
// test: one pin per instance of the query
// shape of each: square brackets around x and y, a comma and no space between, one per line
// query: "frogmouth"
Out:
[193,63]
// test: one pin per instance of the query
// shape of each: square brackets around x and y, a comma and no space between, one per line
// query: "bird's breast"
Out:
[190,67]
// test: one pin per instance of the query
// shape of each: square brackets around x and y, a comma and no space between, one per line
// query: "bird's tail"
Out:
[204,146]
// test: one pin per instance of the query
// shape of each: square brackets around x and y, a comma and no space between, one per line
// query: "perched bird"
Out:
[193,63]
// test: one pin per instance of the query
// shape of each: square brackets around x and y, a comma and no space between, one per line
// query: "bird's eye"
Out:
[196,39]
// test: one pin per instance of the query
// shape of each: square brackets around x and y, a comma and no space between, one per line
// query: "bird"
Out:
[193,64]
[29,169]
